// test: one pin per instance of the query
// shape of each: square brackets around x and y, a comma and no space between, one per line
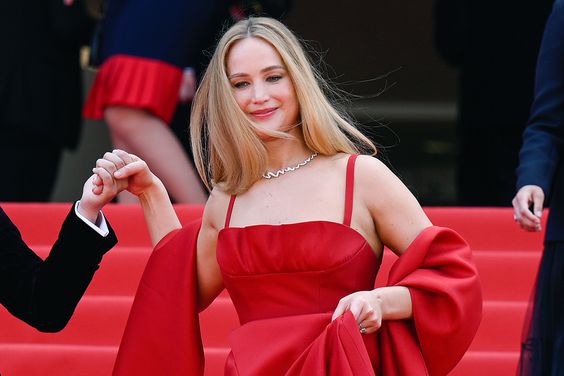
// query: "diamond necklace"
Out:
[282,171]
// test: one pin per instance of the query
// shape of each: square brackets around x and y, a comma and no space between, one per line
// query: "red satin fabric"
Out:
[162,334]
[445,291]
[301,345]
[135,82]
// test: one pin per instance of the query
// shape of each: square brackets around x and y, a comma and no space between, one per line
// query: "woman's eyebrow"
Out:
[269,68]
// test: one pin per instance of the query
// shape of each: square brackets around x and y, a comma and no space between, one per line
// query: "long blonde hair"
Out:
[227,150]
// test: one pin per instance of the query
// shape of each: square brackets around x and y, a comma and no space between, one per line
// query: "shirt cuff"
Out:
[101,227]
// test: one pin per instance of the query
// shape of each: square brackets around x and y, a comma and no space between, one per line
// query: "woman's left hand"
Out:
[366,308]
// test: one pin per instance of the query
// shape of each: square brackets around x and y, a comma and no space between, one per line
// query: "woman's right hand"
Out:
[130,171]
[526,196]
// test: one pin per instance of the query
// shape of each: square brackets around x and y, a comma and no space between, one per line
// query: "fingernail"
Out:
[538,213]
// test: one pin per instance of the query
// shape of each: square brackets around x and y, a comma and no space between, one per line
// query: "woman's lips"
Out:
[265,113]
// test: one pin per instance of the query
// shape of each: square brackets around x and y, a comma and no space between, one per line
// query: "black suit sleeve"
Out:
[44,294]
[543,137]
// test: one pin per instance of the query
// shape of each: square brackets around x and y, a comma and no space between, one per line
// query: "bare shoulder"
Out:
[397,214]
[367,164]
[216,209]
[374,175]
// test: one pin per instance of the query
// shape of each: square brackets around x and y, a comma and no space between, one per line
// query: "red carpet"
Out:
[507,259]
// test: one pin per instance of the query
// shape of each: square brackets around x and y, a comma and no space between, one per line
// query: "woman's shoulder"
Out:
[374,176]
[370,167]
[215,209]
[366,166]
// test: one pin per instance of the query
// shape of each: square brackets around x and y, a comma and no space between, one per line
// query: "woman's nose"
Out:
[260,94]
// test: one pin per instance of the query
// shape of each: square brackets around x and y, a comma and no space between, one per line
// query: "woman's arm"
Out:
[131,173]
[210,280]
[398,220]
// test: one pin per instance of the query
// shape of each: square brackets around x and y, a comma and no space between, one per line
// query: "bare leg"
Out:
[138,132]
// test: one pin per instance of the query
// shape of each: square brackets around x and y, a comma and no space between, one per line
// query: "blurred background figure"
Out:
[145,49]
[541,180]
[40,92]
[494,45]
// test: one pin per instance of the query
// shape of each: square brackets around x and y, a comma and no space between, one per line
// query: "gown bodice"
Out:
[292,269]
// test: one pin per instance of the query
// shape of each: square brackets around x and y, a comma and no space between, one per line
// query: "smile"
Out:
[264,113]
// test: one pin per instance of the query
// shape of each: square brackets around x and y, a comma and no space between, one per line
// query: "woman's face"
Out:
[261,84]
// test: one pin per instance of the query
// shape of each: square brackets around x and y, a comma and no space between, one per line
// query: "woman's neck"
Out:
[286,152]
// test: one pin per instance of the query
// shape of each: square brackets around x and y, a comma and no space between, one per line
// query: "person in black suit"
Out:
[44,294]
[540,181]
[40,92]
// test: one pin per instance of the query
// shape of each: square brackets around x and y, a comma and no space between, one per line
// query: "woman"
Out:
[540,176]
[294,228]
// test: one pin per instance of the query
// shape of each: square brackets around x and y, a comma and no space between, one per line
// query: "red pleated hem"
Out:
[135,82]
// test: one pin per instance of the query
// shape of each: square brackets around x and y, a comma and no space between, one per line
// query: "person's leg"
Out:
[138,132]
[29,169]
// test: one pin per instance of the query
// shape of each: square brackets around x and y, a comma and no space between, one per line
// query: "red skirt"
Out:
[135,82]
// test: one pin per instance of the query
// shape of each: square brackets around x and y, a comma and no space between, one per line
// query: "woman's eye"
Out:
[273,78]
[240,84]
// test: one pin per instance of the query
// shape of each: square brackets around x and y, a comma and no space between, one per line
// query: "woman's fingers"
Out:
[106,165]
[368,318]
[115,159]
[131,169]
[342,307]
[125,156]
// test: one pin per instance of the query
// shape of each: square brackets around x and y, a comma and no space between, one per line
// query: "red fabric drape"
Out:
[163,335]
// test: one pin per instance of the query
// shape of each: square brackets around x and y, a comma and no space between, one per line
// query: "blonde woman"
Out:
[294,228]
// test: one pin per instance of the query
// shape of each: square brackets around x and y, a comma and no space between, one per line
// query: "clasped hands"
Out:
[118,170]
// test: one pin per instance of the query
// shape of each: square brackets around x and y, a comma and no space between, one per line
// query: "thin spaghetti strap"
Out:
[349,190]
[229,210]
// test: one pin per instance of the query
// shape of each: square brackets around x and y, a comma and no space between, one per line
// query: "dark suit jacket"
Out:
[541,154]
[44,294]
[40,77]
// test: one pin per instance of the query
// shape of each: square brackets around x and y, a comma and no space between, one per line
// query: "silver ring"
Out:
[362,329]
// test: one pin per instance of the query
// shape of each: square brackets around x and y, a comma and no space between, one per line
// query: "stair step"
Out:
[97,321]
[501,326]
[488,228]
[39,360]
[507,275]
[489,363]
